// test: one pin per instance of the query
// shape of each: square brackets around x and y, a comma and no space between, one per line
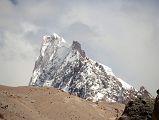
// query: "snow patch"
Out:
[98,97]
[125,85]
[35,75]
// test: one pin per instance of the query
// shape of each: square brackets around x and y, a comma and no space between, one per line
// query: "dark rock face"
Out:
[139,109]
[77,46]
[144,93]
[156,108]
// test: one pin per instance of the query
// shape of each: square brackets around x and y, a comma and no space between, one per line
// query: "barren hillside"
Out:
[30,103]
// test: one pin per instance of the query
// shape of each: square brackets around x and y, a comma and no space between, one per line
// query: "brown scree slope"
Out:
[29,103]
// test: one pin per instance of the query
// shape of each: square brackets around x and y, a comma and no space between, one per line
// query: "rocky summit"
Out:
[68,68]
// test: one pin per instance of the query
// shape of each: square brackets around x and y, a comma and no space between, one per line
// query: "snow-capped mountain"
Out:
[68,68]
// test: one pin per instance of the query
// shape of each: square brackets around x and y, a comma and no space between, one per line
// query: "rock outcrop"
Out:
[139,109]
[156,108]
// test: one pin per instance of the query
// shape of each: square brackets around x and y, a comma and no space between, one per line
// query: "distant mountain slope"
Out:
[36,103]
[68,68]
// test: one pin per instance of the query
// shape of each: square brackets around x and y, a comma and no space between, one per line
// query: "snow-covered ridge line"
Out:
[109,72]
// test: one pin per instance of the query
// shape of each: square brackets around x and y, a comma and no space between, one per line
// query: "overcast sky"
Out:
[122,34]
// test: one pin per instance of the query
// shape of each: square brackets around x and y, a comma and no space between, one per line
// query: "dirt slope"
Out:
[28,103]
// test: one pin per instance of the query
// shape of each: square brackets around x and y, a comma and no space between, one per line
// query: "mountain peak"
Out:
[51,42]
[69,69]
[77,46]
[52,38]
[143,91]
[56,36]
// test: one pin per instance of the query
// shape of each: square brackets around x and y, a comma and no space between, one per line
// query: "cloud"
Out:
[14,2]
[27,27]
[122,34]
[17,56]
[15,47]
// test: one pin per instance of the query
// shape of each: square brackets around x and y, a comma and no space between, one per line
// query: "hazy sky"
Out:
[122,34]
